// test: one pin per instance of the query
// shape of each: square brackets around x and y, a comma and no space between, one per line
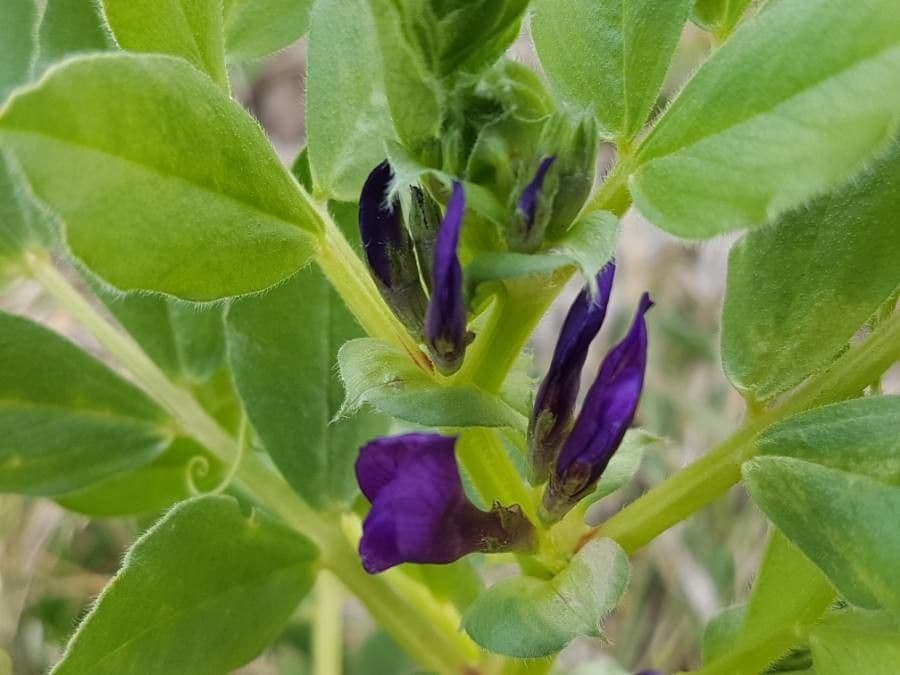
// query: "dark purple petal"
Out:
[605,416]
[445,322]
[528,202]
[420,512]
[380,223]
[555,401]
[389,250]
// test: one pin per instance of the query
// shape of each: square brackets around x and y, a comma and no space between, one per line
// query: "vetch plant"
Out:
[316,374]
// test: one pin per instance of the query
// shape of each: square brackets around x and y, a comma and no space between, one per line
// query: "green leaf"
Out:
[860,436]
[719,16]
[721,633]
[66,420]
[783,119]
[255,28]
[589,245]
[69,27]
[283,347]
[844,523]
[789,594]
[347,113]
[414,93]
[23,226]
[19,39]
[609,55]
[166,186]
[855,641]
[798,291]
[152,488]
[202,592]
[384,377]
[191,29]
[187,340]
[525,617]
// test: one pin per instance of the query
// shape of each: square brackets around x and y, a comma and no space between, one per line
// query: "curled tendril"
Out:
[198,466]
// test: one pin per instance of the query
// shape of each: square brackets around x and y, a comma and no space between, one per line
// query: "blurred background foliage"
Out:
[53,562]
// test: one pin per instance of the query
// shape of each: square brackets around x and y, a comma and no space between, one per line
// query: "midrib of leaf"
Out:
[878,55]
[17,404]
[625,104]
[149,168]
[171,618]
[212,68]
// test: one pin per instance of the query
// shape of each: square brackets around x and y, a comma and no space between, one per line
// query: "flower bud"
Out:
[389,250]
[573,140]
[605,416]
[533,211]
[445,321]
[554,404]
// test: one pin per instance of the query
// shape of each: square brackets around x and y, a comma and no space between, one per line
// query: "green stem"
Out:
[327,627]
[483,454]
[613,194]
[351,279]
[513,318]
[703,482]
[443,653]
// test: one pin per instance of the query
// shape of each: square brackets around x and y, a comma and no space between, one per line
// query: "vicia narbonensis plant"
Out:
[316,377]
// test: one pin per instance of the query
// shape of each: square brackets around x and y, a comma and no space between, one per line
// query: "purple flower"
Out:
[529,223]
[555,401]
[445,321]
[420,513]
[389,250]
[607,413]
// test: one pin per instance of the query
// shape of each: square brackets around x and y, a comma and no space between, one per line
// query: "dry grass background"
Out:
[53,563]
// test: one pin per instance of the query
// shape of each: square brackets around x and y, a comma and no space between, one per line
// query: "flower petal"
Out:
[420,512]
[389,250]
[445,322]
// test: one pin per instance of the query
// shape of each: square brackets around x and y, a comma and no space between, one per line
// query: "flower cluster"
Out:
[420,512]
[573,455]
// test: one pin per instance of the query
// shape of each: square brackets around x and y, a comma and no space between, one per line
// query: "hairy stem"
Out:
[328,626]
[441,652]
[707,479]
[351,279]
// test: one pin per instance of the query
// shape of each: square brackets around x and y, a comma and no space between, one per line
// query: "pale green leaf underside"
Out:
[527,617]
[610,55]
[773,118]
[66,420]
[254,28]
[191,29]
[347,110]
[385,378]
[166,186]
[282,347]
[202,592]
[798,291]
[843,522]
